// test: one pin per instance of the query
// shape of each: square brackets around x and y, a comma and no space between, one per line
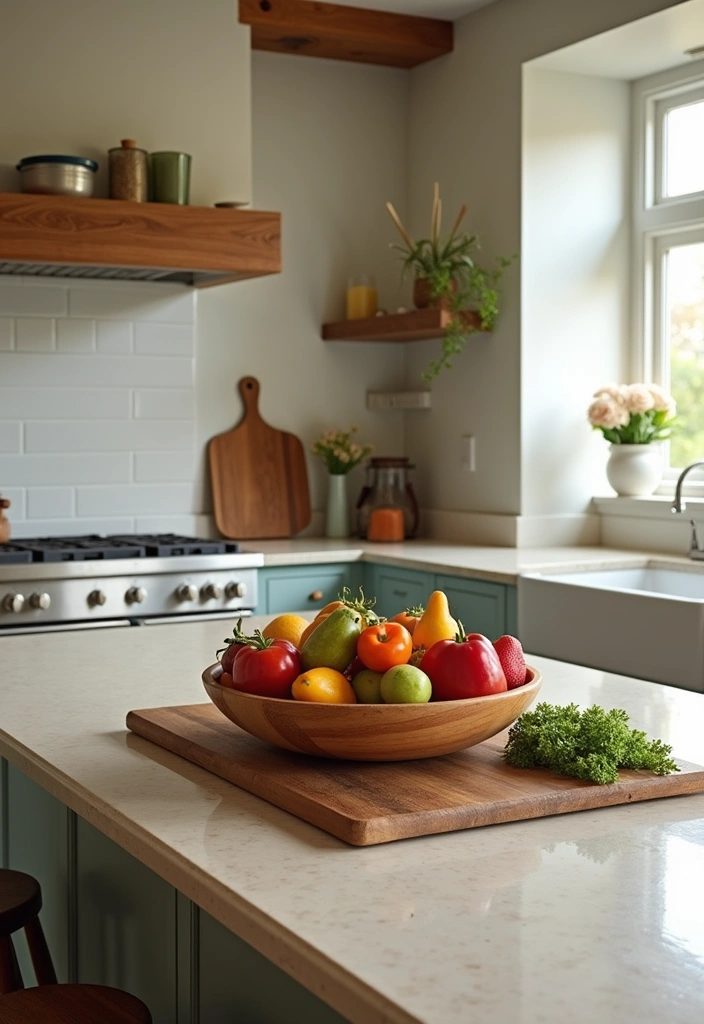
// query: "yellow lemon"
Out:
[286,627]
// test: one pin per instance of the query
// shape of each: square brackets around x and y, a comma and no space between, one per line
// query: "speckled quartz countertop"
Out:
[593,916]
[502,565]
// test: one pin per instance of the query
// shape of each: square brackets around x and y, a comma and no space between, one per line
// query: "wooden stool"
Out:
[20,903]
[72,1004]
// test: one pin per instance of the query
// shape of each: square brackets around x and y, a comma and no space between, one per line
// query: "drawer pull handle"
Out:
[400,593]
[317,595]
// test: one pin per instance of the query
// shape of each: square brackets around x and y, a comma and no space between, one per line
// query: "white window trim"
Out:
[658,222]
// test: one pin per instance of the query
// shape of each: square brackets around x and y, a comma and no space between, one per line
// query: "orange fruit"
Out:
[323,686]
[286,627]
[310,627]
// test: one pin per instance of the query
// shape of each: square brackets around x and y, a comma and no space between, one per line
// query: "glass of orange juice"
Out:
[361,297]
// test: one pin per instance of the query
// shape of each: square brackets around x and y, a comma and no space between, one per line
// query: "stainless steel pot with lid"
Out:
[54,174]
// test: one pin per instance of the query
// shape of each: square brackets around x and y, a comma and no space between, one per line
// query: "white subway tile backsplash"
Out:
[62,469]
[6,333]
[166,404]
[94,371]
[50,503]
[75,335]
[64,403]
[97,407]
[34,334]
[137,302]
[163,339]
[169,467]
[109,436]
[71,527]
[142,499]
[21,299]
[10,436]
[114,336]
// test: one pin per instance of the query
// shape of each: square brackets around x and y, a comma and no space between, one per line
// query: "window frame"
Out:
[658,223]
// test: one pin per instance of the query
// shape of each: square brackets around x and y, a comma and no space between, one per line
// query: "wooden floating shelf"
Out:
[416,325]
[312,29]
[73,236]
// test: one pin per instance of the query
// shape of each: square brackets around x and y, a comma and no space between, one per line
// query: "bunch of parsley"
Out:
[590,745]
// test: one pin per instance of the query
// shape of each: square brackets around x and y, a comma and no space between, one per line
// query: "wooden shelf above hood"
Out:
[70,236]
[338,32]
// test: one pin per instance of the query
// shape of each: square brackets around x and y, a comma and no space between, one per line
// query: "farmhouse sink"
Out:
[645,621]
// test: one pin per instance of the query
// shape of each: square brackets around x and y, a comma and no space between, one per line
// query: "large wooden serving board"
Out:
[366,803]
[258,476]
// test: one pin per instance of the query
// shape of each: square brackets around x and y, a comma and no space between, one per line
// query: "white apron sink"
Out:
[645,621]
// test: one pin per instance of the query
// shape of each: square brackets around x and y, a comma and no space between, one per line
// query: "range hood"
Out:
[108,239]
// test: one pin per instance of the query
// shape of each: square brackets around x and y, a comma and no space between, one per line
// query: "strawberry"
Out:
[513,663]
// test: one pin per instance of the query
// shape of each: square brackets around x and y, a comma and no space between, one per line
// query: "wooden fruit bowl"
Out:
[372,732]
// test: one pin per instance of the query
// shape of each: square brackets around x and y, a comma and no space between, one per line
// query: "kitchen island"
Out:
[597,915]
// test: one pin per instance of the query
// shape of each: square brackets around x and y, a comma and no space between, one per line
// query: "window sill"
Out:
[654,506]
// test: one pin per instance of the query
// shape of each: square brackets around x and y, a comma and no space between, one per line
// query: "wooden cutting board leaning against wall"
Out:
[258,476]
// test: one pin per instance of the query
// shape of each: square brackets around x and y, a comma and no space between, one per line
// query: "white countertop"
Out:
[597,915]
[502,565]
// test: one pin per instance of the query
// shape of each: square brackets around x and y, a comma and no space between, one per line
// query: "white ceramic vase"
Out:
[337,523]
[634,470]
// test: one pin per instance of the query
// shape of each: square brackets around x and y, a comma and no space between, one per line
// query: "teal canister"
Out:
[169,177]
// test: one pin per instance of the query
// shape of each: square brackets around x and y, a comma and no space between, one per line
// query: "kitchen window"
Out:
[668,221]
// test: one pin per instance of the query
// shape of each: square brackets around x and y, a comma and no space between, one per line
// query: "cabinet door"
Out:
[236,983]
[301,588]
[396,589]
[480,605]
[127,924]
[39,841]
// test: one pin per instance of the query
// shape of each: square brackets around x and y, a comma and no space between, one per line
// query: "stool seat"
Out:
[20,900]
[72,1004]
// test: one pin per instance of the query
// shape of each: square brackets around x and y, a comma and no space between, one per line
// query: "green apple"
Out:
[405,684]
[367,686]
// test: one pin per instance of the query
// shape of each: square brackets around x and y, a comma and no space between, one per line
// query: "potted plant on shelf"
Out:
[446,275]
[634,418]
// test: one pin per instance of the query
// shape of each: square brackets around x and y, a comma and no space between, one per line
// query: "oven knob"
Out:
[40,601]
[13,603]
[210,592]
[136,595]
[186,592]
[235,590]
[97,597]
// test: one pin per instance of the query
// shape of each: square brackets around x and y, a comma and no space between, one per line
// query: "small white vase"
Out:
[634,470]
[337,523]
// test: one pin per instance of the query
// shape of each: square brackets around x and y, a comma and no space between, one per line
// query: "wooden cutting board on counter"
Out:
[367,803]
[258,476]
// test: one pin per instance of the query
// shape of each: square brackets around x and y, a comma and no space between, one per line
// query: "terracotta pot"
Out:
[422,298]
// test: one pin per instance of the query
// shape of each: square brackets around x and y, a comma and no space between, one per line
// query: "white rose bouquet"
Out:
[632,413]
[339,452]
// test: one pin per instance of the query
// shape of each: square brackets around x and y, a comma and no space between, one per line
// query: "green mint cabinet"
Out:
[303,588]
[481,605]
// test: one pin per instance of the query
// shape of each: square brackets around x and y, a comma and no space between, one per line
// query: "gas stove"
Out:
[53,583]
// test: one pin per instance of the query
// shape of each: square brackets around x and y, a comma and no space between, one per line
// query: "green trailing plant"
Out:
[455,281]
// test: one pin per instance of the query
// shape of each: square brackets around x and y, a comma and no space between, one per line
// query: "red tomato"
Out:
[383,646]
[266,667]
[409,618]
[465,667]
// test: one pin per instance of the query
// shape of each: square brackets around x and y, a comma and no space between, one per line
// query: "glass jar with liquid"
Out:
[387,492]
[361,297]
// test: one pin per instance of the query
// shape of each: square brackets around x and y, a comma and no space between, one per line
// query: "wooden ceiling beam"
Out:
[338,32]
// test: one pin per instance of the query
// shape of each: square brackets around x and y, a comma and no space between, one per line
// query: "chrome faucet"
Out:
[679,505]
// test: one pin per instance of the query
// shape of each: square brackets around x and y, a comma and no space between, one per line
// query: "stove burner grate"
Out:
[81,549]
[169,545]
[11,554]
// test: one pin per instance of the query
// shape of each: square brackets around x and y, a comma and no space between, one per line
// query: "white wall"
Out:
[329,150]
[79,75]
[575,298]
[466,113]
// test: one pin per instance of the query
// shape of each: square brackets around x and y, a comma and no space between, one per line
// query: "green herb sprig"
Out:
[591,745]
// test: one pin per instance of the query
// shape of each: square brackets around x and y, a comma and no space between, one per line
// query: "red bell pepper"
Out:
[467,666]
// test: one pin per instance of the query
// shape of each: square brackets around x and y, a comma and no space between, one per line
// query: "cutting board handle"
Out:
[249,390]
